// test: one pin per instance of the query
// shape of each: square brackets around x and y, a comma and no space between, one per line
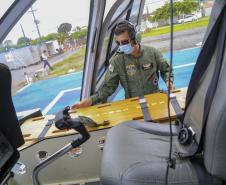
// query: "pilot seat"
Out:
[137,153]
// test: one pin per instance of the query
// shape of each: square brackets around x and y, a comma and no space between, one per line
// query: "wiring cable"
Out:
[171,161]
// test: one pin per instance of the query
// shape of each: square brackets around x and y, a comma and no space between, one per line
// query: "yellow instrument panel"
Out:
[105,115]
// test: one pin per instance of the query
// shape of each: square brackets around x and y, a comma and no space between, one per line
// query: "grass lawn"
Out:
[177,27]
[74,62]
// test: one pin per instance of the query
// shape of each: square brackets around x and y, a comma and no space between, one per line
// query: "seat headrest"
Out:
[9,124]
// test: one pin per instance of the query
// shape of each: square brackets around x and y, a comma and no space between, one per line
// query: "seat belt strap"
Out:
[144,108]
[176,105]
[45,130]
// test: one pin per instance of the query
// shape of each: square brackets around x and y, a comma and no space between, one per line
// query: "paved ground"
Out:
[182,40]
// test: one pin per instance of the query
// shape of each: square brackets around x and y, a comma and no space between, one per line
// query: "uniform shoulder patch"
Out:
[111,68]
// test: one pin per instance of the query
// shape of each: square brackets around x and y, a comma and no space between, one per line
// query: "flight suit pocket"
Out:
[150,74]
[149,70]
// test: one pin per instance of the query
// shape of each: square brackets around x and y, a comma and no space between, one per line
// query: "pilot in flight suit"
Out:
[134,66]
[137,75]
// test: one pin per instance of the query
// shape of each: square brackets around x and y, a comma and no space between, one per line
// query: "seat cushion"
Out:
[134,155]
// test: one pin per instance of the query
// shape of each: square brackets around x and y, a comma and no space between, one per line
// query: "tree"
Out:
[180,7]
[80,36]
[77,28]
[23,41]
[186,7]
[51,36]
[162,13]
[61,38]
[64,28]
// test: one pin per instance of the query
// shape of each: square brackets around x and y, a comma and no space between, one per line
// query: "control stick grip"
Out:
[64,121]
[84,134]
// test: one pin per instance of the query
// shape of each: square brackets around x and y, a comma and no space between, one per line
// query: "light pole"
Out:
[36,21]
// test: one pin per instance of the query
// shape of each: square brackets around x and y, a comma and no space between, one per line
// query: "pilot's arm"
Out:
[109,86]
[164,69]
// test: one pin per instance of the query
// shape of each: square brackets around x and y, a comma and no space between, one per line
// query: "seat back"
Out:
[9,124]
[214,145]
[10,133]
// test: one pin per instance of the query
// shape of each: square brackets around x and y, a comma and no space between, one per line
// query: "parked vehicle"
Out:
[188,18]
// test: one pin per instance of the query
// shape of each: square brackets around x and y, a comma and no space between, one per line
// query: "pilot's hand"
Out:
[170,86]
[82,104]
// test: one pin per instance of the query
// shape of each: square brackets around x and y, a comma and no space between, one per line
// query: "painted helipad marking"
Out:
[184,65]
[188,48]
[25,87]
[56,99]
[73,73]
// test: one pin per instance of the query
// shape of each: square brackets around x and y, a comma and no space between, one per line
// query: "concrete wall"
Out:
[22,57]
[26,56]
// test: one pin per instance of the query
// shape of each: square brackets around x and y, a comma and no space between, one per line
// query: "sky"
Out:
[51,13]
[152,5]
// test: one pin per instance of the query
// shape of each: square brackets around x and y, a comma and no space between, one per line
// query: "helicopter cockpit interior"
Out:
[137,152]
[190,152]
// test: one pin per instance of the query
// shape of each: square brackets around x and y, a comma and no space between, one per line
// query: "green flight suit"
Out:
[142,74]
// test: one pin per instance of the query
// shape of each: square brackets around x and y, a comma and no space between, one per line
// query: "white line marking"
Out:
[188,48]
[184,65]
[71,73]
[20,90]
[199,44]
[56,99]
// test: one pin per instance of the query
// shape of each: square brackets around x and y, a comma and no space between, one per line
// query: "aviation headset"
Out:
[126,25]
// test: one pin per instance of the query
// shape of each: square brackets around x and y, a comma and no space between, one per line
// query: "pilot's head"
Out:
[125,37]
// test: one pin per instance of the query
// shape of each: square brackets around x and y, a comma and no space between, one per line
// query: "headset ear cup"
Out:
[138,38]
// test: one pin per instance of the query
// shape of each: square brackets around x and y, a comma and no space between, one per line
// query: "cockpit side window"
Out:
[127,10]
[45,52]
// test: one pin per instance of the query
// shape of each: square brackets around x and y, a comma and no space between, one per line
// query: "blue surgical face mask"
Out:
[127,48]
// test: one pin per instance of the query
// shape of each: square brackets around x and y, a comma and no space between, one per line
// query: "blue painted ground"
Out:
[41,93]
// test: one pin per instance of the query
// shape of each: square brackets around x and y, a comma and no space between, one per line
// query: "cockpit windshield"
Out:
[45,52]
[46,49]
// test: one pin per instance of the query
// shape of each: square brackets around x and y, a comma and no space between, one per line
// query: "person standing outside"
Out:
[45,60]
[134,66]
